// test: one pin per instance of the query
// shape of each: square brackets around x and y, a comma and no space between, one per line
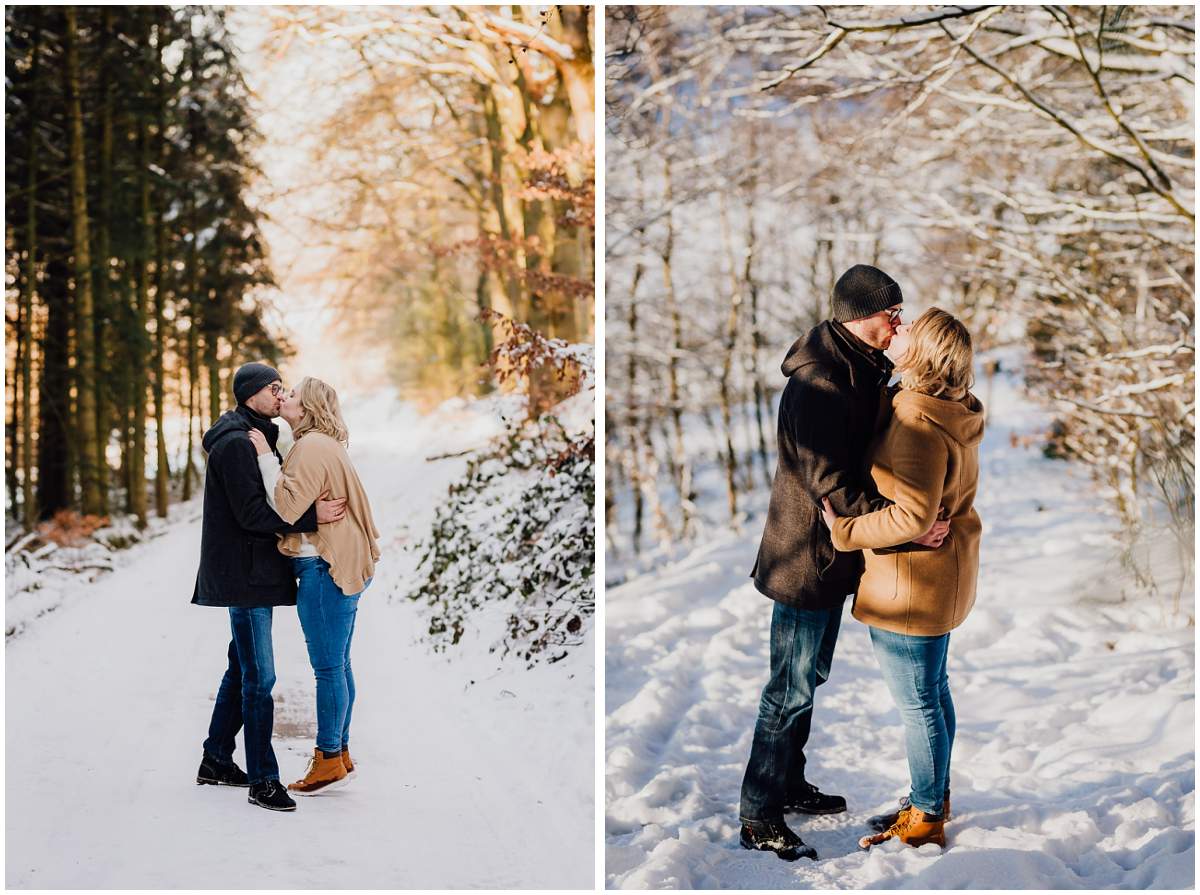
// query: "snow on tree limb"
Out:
[889,149]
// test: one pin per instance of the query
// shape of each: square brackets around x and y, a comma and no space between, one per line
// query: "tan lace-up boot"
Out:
[323,774]
[913,827]
[881,822]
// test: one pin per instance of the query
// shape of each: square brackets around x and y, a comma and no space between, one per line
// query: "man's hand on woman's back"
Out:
[330,510]
[935,535]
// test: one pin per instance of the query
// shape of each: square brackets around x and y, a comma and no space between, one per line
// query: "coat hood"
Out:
[808,349]
[826,346]
[961,420]
[240,419]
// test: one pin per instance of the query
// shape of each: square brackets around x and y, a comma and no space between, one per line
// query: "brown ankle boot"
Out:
[322,774]
[348,764]
[881,822]
[913,827]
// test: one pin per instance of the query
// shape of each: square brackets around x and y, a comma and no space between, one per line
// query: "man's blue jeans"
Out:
[327,617]
[915,671]
[802,642]
[244,697]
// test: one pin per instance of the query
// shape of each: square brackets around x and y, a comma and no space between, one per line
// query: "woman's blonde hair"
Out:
[320,411]
[939,358]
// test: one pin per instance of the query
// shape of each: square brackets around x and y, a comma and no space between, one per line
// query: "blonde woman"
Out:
[926,461]
[334,564]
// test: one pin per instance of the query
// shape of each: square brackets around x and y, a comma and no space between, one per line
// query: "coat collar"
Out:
[863,358]
[259,422]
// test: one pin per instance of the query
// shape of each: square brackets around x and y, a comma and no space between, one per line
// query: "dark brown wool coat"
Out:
[828,414]
[928,457]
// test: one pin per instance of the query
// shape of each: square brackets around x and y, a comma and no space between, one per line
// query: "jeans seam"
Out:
[323,580]
[225,720]
[257,674]
[928,722]
[791,668]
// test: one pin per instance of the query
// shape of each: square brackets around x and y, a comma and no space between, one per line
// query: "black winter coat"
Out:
[240,562]
[829,413]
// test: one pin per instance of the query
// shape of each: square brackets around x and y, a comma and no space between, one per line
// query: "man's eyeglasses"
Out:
[277,390]
[894,315]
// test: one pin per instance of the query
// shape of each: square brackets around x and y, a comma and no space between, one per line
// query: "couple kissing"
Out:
[282,532]
[873,497]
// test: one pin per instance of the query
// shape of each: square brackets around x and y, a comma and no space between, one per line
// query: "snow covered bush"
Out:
[44,568]
[518,529]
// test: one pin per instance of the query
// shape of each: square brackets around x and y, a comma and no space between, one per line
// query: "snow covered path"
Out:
[1074,758]
[468,776]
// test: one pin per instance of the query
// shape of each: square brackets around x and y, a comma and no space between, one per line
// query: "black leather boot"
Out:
[220,773]
[775,836]
[272,795]
[807,799]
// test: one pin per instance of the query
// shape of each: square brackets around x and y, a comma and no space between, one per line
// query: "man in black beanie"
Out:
[829,412]
[242,570]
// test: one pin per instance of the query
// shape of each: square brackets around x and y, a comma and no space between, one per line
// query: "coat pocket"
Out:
[264,563]
[823,554]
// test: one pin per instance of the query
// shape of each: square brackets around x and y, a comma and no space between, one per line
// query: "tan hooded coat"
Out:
[318,463]
[927,457]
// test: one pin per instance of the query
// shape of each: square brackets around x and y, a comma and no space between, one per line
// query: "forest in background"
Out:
[452,175]
[133,262]
[1030,169]
[454,181]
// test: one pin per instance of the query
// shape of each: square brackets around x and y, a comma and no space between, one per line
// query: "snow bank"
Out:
[1074,758]
[41,576]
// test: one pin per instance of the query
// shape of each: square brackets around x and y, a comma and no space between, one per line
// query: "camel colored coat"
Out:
[318,463]
[927,457]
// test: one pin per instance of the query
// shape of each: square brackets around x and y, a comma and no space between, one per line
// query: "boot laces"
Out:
[907,819]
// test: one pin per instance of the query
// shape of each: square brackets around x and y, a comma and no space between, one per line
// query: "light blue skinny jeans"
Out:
[327,618]
[915,671]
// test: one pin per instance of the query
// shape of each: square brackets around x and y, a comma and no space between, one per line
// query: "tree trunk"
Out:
[483,304]
[137,469]
[579,73]
[189,469]
[162,469]
[54,484]
[679,462]
[84,324]
[214,376]
[103,303]
[123,378]
[12,453]
[729,345]
[193,348]
[636,473]
[28,507]
[495,142]
[756,337]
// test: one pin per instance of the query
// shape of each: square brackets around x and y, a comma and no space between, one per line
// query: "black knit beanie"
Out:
[864,290]
[251,377]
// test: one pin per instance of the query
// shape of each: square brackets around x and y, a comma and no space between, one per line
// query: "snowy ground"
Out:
[1074,758]
[470,775]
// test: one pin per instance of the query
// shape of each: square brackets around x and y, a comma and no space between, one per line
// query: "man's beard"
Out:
[270,414]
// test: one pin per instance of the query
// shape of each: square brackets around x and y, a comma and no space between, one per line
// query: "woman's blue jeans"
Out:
[327,619]
[915,671]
